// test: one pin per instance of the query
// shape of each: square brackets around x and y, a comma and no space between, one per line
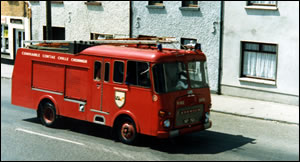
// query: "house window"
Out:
[259,60]
[58,33]
[156,3]
[96,36]
[262,3]
[97,3]
[57,2]
[189,3]
[4,39]
[188,43]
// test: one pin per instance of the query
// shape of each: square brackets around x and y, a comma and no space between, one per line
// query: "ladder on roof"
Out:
[74,47]
[158,40]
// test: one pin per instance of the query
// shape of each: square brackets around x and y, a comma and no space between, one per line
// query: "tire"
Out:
[47,114]
[126,131]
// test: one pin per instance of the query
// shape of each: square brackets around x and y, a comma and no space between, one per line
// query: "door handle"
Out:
[98,86]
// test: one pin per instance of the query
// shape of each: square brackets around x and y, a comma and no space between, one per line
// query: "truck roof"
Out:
[146,53]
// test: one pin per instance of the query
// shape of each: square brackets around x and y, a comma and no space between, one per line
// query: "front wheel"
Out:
[47,114]
[126,131]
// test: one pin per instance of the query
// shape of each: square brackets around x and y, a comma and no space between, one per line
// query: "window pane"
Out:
[263,2]
[159,78]
[269,48]
[155,2]
[170,77]
[118,72]
[106,77]
[185,42]
[252,46]
[189,3]
[97,70]
[138,74]
[197,74]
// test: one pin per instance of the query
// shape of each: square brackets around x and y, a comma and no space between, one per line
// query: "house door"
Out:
[19,37]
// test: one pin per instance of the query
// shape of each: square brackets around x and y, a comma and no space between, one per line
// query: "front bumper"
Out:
[182,131]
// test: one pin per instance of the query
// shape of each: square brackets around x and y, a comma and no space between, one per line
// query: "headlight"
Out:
[167,123]
[207,115]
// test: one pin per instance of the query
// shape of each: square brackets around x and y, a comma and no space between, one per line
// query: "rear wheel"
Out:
[126,131]
[47,114]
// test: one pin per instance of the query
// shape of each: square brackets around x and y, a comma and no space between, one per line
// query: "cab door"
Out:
[97,82]
[107,97]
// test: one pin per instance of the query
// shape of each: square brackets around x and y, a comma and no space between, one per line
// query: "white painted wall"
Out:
[11,26]
[173,22]
[279,26]
[79,19]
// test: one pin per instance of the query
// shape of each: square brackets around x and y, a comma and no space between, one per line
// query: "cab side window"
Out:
[118,72]
[138,74]
[97,71]
[106,77]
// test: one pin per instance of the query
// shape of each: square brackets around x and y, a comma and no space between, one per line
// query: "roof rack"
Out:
[77,46]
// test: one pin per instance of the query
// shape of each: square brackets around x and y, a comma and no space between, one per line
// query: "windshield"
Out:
[198,74]
[169,77]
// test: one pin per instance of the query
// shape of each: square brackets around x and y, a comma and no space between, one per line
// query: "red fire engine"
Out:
[129,85]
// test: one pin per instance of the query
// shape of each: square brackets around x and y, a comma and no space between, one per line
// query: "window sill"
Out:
[189,8]
[4,52]
[273,8]
[268,82]
[93,3]
[155,7]
[57,2]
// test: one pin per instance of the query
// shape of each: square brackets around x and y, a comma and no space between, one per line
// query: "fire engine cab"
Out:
[134,86]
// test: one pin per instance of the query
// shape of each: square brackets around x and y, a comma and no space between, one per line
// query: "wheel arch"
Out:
[124,114]
[48,98]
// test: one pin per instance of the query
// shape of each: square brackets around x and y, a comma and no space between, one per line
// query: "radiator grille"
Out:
[189,115]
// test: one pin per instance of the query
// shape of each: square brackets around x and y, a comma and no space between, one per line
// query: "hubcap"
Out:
[127,131]
[48,115]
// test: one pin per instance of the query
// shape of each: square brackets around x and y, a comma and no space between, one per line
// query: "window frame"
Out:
[260,50]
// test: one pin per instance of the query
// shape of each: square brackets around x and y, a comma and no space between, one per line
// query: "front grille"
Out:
[189,115]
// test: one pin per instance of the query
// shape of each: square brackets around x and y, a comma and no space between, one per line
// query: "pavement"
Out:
[233,105]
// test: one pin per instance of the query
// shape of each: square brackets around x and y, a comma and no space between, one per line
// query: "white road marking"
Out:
[52,137]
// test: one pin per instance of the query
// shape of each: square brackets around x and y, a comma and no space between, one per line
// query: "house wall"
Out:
[80,19]
[171,21]
[279,26]
[13,8]
[15,15]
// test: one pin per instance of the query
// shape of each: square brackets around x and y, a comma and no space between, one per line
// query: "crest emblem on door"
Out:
[120,98]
